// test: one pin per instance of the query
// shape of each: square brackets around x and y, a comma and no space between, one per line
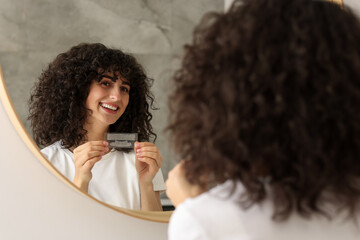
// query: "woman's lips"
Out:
[111,108]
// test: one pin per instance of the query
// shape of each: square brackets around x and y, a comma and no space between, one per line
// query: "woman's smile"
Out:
[109,107]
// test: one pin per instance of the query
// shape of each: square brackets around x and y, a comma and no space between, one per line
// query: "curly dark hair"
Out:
[268,94]
[57,102]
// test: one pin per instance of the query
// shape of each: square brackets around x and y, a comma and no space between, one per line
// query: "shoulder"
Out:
[184,225]
[228,192]
[51,148]
[55,151]
[215,213]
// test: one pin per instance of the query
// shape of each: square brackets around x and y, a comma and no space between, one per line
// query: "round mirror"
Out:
[34,33]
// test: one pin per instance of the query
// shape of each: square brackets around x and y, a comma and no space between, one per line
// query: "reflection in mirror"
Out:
[18,126]
[34,33]
[85,93]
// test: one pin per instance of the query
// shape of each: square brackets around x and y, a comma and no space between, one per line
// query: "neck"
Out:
[96,132]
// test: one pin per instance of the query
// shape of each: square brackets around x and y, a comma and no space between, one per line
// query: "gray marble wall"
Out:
[34,32]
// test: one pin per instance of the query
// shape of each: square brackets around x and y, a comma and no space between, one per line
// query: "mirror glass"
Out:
[35,32]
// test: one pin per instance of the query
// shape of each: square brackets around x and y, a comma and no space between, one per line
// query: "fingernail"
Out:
[106,143]
[137,144]
[139,150]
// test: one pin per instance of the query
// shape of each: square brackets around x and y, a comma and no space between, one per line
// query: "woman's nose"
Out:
[115,94]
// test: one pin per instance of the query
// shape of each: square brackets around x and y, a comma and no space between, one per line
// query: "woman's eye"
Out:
[125,89]
[105,83]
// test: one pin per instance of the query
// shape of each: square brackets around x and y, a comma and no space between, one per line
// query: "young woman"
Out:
[85,93]
[266,109]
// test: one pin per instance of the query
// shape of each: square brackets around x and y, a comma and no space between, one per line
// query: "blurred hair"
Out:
[268,93]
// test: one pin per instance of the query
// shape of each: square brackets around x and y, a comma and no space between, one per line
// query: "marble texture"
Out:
[34,32]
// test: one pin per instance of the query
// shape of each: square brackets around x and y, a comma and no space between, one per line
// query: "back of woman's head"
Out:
[57,103]
[269,94]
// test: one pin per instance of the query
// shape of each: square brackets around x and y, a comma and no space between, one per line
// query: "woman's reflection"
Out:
[85,93]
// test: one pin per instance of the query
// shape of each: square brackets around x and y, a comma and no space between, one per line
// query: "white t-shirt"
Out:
[114,181]
[216,215]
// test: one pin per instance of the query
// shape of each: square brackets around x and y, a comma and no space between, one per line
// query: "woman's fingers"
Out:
[155,156]
[148,150]
[89,150]
[88,165]
[81,160]
[85,157]
[92,145]
[149,161]
[92,154]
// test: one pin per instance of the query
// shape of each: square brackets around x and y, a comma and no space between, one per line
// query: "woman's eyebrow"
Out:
[106,76]
[112,78]
[125,82]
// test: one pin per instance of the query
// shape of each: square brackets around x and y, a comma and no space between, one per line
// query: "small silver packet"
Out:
[121,140]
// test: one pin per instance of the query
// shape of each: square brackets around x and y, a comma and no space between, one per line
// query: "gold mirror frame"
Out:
[155,216]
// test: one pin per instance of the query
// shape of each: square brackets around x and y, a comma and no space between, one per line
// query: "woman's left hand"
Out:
[148,161]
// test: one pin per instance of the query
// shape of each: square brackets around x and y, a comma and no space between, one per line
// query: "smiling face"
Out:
[107,99]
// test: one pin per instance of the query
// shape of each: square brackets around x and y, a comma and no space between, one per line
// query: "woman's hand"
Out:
[85,157]
[148,161]
[178,188]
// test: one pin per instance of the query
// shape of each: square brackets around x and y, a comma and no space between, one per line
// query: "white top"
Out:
[215,215]
[115,180]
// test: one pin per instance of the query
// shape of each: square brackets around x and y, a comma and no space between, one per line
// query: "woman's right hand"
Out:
[85,157]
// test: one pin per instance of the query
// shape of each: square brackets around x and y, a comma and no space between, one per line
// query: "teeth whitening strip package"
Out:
[121,140]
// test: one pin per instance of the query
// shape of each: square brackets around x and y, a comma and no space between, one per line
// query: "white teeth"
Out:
[108,106]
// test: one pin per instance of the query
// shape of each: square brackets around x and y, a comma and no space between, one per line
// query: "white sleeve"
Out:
[158,181]
[46,152]
[183,225]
